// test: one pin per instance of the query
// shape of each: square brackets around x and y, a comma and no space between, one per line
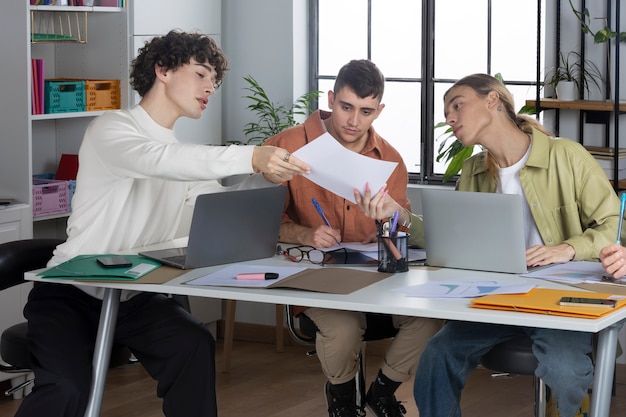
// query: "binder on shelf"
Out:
[68,167]
[40,85]
[34,97]
[37,87]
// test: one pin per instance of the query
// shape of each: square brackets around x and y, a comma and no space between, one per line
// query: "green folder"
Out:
[85,267]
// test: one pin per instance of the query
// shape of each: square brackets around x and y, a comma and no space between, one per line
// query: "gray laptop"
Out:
[227,227]
[471,230]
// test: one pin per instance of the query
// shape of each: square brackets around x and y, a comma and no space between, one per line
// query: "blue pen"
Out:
[621,219]
[394,222]
[321,212]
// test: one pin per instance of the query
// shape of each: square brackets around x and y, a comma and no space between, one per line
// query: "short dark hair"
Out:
[363,77]
[173,51]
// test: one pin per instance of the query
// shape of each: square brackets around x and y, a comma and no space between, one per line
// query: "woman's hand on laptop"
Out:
[540,255]
[276,164]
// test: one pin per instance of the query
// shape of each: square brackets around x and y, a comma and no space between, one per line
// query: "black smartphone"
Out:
[117,261]
[587,302]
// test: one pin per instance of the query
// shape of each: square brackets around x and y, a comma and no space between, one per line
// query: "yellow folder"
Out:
[546,301]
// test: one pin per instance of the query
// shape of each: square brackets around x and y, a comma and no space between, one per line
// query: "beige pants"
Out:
[338,343]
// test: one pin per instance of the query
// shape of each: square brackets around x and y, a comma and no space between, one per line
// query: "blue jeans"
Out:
[562,356]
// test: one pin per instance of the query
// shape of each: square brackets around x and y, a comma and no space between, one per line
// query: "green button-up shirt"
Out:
[570,197]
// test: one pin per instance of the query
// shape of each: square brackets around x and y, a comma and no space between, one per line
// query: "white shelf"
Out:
[69,115]
[76,9]
[51,217]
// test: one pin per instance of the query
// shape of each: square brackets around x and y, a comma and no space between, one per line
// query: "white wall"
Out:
[259,39]
[156,17]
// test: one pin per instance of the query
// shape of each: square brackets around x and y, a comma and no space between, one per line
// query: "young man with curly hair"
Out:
[133,183]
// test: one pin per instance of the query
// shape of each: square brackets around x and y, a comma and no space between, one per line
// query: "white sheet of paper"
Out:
[573,272]
[340,170]
[468,287]
[227,277]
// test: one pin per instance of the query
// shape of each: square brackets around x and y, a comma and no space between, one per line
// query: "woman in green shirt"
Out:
[571,213]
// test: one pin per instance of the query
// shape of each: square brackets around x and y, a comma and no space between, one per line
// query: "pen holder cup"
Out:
[393,253]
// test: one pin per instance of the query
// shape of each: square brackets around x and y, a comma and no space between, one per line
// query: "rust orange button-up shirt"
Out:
[341,213]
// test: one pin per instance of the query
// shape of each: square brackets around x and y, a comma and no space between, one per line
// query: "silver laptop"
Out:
[227,227]
[472,230]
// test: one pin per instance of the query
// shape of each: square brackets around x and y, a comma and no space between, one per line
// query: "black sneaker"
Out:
[385,406]
[344,406]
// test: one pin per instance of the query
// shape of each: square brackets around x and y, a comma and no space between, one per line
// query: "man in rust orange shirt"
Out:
[355,103]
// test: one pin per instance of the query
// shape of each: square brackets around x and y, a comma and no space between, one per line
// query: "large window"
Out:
[422,48]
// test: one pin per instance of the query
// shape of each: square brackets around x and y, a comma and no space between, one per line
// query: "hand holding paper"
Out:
[340,170]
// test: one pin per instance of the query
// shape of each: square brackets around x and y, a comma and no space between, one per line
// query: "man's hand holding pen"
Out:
[613,258]
[321,233]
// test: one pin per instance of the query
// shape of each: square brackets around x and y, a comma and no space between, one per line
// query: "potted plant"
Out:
[273,118]
[603,35]
[571,74]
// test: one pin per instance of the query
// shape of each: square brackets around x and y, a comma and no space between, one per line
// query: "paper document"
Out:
[339,170]
[226,277]
[325,280]
[573,272]
[468,287]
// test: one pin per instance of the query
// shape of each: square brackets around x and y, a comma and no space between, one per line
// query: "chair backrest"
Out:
[21,256]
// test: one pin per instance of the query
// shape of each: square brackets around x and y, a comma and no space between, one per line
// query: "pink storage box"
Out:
[50,197]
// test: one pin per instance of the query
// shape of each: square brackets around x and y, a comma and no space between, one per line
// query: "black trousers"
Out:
[174,347]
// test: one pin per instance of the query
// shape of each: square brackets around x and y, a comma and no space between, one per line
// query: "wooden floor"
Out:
[265,383]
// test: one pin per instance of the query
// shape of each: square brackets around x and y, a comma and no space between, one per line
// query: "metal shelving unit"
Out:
[590,111]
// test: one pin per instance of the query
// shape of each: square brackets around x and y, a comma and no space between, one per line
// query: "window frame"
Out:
[427,79]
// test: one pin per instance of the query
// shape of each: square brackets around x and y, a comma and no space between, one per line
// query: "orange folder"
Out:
[546,301]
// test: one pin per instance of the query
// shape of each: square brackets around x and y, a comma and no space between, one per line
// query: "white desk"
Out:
[376,298]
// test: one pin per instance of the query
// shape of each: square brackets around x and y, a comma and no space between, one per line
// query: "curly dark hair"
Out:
[173,51]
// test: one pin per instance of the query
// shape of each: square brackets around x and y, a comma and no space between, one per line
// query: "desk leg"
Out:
[102,352]
[604,371]
[229,333]
[280,335]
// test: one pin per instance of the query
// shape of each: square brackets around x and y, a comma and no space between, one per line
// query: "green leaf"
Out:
[528,110]
[273,118]
[457,162]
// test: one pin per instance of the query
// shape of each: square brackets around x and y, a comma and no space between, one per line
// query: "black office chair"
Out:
[16,258]
[515,357]
[379,327]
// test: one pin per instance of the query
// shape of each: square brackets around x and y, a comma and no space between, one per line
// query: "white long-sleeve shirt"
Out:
[134,180]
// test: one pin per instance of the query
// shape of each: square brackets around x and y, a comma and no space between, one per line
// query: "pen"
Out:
[321,212]
[621,219]
[394,222]
[258,275]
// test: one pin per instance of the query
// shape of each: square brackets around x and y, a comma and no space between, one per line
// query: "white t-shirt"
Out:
[134,180]
[510,184]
